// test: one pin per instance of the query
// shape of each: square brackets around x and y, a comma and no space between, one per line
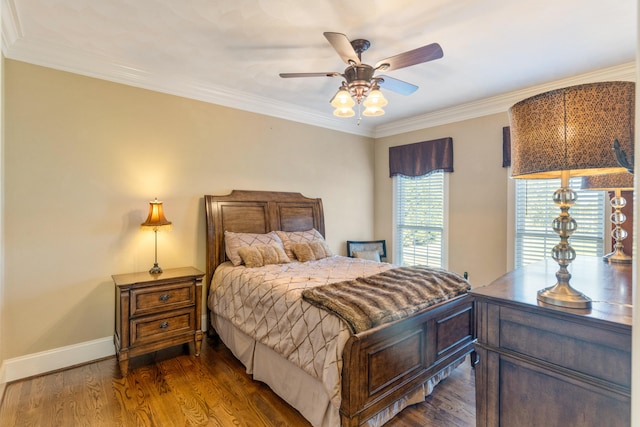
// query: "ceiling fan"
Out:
[360,82]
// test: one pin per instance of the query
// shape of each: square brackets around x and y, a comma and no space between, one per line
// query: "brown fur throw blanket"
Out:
[366,302]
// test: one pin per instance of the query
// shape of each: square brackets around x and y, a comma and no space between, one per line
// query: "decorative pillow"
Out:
[234,241]
[303,252]
[370,255]
[291,237]
[258,256]
[311,251]
[251,256]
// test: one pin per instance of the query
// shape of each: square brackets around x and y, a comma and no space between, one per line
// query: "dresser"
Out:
[542,365]
[156,311]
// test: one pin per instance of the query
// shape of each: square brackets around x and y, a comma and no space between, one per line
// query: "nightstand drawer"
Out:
[154,328]
[164,297]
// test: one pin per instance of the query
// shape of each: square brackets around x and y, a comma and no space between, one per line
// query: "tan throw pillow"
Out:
[311,251]
[234,241]
[251,256]
[258,256]
[273,254]
[290,238]
[303,252]
[370,255]
[320,249]
[269,254]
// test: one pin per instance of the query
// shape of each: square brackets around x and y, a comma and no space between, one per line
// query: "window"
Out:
[419,210]
[535,212]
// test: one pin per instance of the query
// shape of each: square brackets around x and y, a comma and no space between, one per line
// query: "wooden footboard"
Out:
[384,364]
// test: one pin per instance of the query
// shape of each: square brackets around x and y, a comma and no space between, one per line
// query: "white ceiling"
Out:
[230,52]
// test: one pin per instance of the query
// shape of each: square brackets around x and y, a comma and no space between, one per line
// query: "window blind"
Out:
[535,212]
[419,207]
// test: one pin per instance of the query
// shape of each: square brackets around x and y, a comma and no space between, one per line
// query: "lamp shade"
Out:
[156,219]
[344,112]
[615,181]
[375,99]
[373,111]
[342,99]
[572,129]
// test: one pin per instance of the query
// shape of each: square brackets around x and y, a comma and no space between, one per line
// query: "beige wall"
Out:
[84,156]
[477,221]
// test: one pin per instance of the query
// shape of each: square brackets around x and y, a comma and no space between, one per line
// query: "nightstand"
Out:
[156,311]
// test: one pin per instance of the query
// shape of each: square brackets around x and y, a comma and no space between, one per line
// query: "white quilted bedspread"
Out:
[266,304]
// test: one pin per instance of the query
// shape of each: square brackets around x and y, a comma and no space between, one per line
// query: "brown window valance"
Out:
[506,147]
[421,158]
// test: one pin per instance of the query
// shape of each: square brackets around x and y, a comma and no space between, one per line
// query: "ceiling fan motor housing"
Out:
[359,78]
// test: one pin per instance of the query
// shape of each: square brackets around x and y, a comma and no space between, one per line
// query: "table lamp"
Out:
[156,221]
[617,182]
[570,132]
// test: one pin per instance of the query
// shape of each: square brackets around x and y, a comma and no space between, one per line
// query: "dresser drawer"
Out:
[163,297]
[159,327]
[601,353]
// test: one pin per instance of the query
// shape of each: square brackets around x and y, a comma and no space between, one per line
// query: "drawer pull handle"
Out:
[164,297]
[164,325]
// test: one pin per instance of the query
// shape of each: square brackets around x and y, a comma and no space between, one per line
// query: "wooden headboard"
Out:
[256,212]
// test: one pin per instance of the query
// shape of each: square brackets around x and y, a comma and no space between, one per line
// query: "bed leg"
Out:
[348,422]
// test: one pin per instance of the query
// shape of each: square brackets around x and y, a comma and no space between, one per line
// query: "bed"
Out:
[363,377]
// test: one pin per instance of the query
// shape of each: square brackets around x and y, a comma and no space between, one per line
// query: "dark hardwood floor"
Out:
[172,388]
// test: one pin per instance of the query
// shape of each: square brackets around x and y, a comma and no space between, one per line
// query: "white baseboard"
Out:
[204,324]
[58,358]
[3,381]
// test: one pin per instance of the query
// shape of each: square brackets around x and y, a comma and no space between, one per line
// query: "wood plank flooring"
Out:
[172,388]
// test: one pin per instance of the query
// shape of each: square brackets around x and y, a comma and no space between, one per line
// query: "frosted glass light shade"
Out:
[375,99]
[342,99]
[373,111]
[344,112]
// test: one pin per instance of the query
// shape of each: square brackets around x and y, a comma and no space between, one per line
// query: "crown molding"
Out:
[90,64]
[93,65]
[11,30]
[105,69]
[500,103]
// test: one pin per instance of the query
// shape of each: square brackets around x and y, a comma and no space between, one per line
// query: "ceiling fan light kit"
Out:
[360,86]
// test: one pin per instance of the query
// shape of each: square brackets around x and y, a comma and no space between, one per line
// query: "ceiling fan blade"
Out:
[395,85]
[416,56]
[327,74]
[343,46]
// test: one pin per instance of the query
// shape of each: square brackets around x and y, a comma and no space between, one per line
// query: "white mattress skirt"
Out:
[291,383]
[299,389]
